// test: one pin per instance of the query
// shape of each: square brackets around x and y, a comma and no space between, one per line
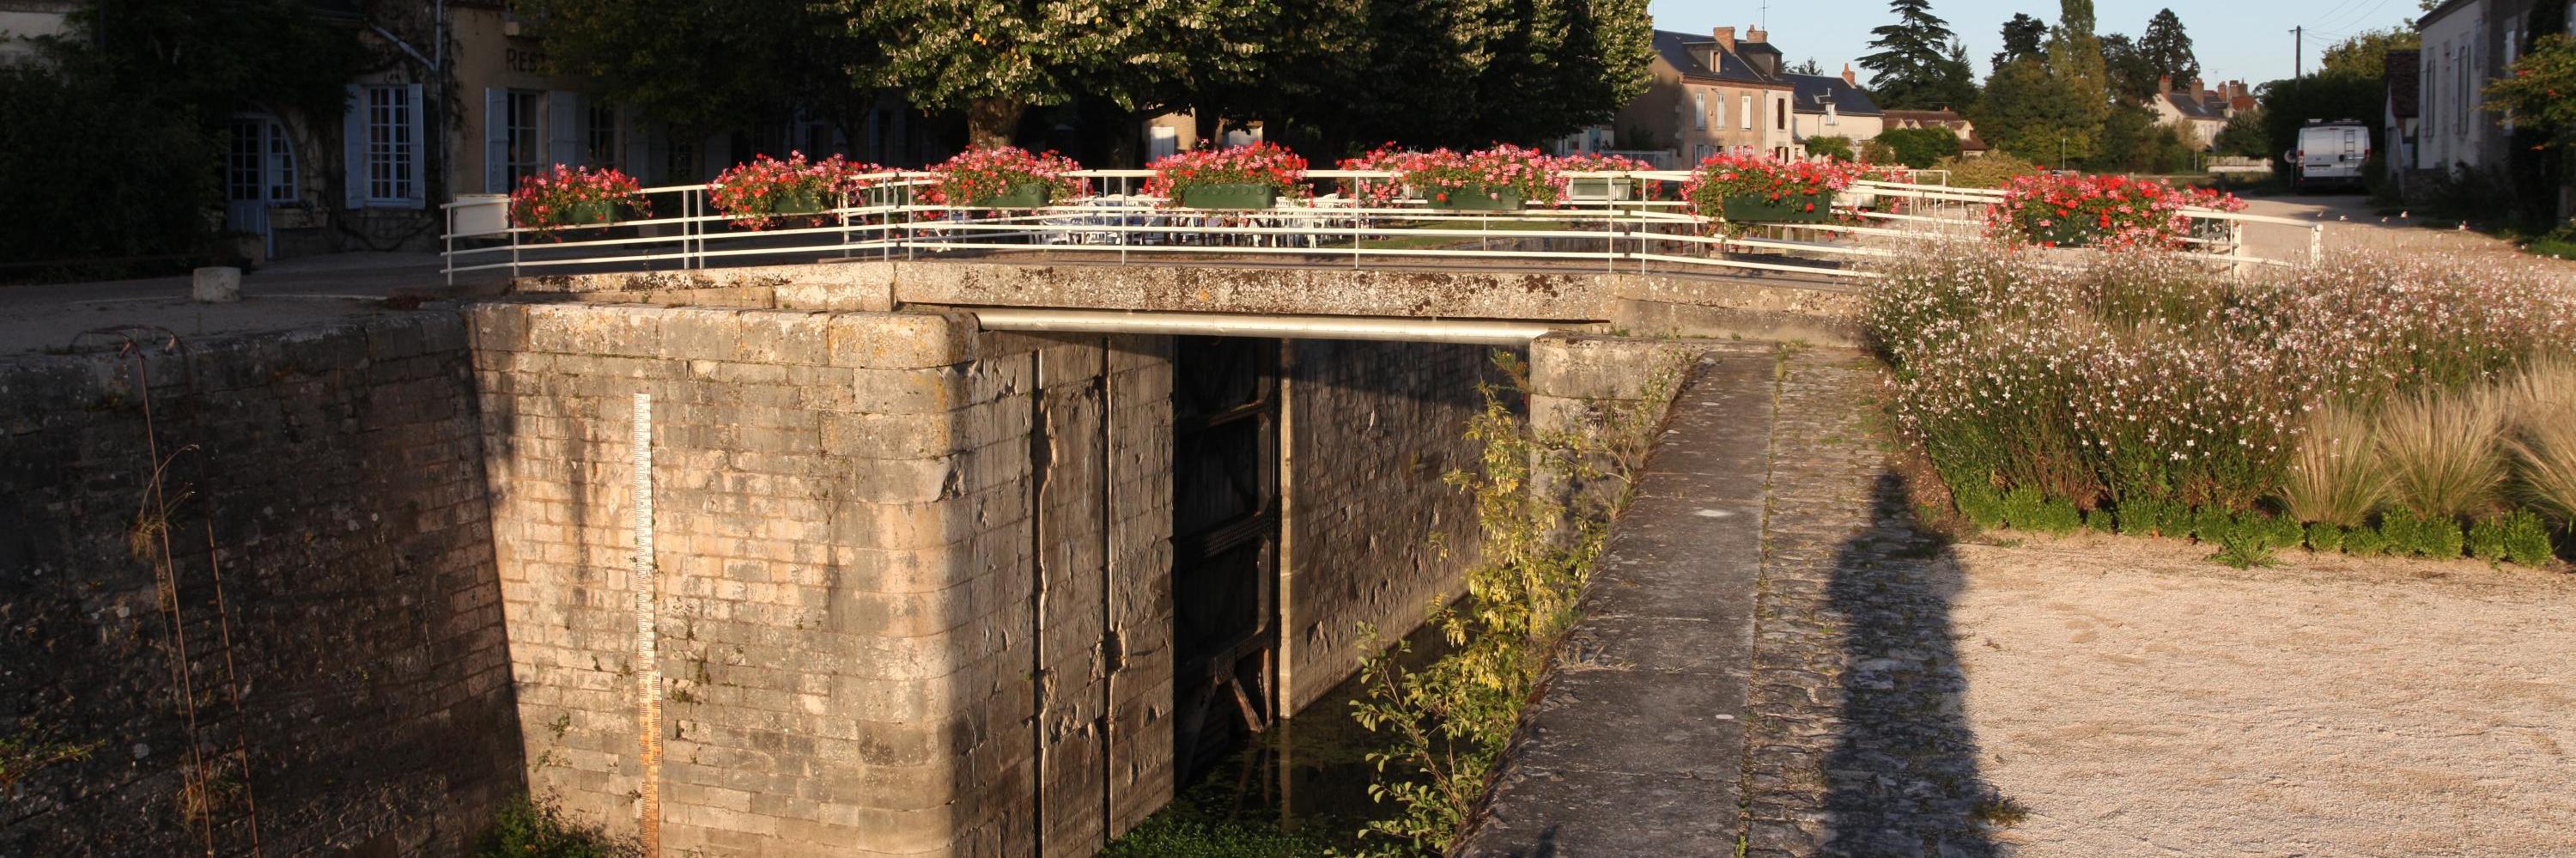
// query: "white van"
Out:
[2330,154]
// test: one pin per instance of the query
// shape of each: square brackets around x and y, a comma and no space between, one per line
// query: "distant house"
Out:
[1969,145]
[1831,106]
[2466,44]
[2201,111]
[2404,119]
[1712,94]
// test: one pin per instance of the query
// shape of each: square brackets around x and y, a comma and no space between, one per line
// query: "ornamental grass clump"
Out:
[767,191]
[981,177]
[1263,165]
[2335,479]
[2440,448]
[575,196]
[2150,385]
[2543,440]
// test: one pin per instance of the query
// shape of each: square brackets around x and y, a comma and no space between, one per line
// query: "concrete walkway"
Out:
[1763,669]
[1778,661]
[1637,746]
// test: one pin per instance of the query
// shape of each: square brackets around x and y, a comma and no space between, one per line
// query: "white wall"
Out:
[2455,126]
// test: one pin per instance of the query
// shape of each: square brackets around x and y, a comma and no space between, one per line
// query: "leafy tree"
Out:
[708,66]
[2029,113]
[2075,64]
[1911,64]
[1810,67]
[2133,78]
[2541,90]
[1919,147]
[997,58]
[2024,36]
[2133,140]
[1832,146]
[2244,136]
[1959,79]
[2167,49]
[2365,54]
[114,147]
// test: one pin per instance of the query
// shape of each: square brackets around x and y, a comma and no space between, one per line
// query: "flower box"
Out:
[1600,189]
[1229,195]
[588,212]
[1792,208]
[1025,195]
[1473,198]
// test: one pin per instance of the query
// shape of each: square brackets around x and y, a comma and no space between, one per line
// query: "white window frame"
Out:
[1745,109]
[390,147]
[523,135]
[604,135]
[1832,118]
[271,157]
[1699,111]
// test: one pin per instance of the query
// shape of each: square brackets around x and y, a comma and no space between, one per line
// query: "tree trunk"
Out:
[993,120]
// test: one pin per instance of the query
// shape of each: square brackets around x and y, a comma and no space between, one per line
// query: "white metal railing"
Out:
[1617,226]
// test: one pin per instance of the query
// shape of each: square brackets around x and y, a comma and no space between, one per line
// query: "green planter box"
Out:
[1229,195]
[586,213]
[1473,198]
[1600,189]
[795,203]
[1788,209]
[1026,195]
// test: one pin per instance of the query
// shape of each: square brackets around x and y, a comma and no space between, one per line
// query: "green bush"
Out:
[2515,537]
[1830,146]
[2030,509]
[2409,533]
[1978,502]
[2325,538]
[1920,147]
[2364,541]
[1991,170]
[2211,524]
[2100,520]
[528,828]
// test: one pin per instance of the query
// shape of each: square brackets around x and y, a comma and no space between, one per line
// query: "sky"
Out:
[2235,39]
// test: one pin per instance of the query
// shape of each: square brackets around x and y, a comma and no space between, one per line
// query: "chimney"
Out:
[1848,77]
[2197,91]
[1756,34]
[2164,85]
[1725,37]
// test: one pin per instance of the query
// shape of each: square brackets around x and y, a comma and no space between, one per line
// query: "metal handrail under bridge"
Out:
[1611,226]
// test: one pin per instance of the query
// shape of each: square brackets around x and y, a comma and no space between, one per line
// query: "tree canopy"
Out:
[2167,49]
[705,66]
[2133,78]
[2024,36]
[1915,65]
[2365,54]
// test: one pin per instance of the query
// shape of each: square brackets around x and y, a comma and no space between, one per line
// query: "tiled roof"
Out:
[1816,90]
[2193,107]
[2405,85]
[1683,51]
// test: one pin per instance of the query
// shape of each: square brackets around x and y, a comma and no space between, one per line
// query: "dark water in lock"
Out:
[1298,788]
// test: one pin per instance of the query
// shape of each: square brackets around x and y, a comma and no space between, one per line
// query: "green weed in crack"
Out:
[1446,724]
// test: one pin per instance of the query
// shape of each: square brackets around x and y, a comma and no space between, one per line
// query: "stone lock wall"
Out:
[1375,537]
[339,473]
[914,577]
[889,577]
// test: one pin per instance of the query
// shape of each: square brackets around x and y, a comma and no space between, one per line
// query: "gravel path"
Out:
[2140,700]
[2101,696]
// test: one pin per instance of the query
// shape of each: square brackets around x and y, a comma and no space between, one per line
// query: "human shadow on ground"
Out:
[1903,776]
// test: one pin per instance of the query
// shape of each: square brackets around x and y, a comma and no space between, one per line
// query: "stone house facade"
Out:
[1710,95]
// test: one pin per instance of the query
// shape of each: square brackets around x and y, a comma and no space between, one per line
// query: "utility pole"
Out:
[2298,52]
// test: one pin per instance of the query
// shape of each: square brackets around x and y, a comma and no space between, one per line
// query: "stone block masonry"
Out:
[339,473]
[914,577]
[1376,537]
